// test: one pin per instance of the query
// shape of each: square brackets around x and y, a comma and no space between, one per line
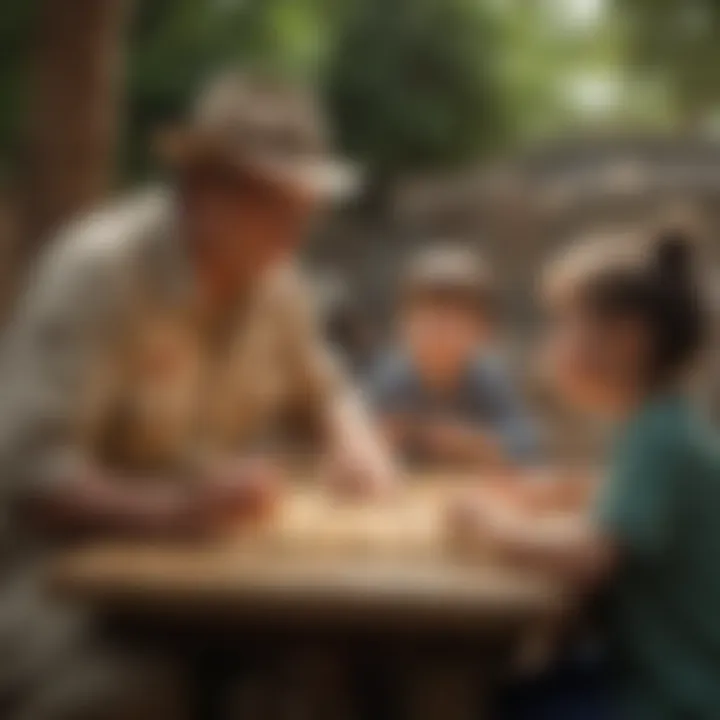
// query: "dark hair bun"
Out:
[673,256]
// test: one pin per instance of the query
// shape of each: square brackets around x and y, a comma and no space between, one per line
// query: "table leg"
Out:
[443,689]
[375,685]
[210,688]
[313,684]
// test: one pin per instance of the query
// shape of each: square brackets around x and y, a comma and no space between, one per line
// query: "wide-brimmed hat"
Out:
[260,125]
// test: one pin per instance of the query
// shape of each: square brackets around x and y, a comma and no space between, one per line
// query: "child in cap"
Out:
[443,392]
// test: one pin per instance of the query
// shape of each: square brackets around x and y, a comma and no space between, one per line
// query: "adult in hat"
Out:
[157,346]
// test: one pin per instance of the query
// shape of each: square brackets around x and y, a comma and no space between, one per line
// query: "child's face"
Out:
[594,365]
[441,338]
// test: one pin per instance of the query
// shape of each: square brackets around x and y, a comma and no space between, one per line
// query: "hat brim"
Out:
[321,177]
[326,178]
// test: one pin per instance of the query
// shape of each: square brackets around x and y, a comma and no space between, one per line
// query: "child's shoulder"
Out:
[667,430]
[490,369]
[668,418]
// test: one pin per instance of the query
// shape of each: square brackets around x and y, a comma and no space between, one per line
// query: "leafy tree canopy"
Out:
[413,83]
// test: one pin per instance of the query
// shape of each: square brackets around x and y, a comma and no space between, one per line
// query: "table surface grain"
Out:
[318,558]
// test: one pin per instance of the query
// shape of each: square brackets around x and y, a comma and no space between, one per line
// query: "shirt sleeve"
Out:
[318,373]
[635,503]
[510,418]
[57,338]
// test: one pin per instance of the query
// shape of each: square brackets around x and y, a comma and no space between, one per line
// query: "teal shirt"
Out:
[661,504]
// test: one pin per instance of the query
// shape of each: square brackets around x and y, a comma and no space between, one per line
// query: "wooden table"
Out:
[321,569]
[339,561]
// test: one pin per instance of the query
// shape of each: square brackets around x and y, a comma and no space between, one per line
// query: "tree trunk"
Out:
[75,110]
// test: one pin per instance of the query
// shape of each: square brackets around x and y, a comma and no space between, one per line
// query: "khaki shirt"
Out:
[110,359]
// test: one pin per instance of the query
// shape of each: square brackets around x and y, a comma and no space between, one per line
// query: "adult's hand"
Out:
[361,472]
[236,491]
[100,503]
[360,462]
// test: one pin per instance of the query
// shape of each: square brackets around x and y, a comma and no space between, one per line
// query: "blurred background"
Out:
[514,124]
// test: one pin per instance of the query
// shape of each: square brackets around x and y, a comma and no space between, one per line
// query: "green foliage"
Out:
[410,83]
[413,84]
[533,60]
[677,42]
[16,23]
[171,48]
[175,45]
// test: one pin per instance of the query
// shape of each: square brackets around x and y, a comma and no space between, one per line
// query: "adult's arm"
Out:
[56,365]
[353,441]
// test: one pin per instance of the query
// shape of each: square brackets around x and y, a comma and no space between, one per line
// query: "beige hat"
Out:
[453,269]
[262,125]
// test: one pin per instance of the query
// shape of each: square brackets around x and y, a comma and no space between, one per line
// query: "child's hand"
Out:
[479,521]
[551,490]
[458,442]
[447,438]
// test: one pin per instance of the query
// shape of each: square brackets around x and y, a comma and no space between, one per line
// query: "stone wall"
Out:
[518,215]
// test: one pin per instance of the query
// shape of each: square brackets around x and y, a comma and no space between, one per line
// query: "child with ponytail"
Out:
[626,326]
